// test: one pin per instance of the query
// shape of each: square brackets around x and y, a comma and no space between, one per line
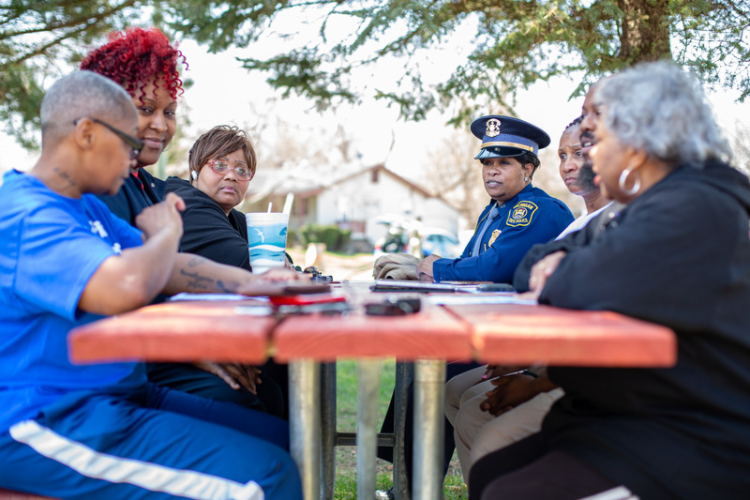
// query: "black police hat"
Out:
[504,136]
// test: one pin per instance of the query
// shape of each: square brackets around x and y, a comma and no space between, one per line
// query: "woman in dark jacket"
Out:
[222,163]
[677,255]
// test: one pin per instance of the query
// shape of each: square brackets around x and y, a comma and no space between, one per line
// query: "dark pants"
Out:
[386,453]
[184,377]
[529,470]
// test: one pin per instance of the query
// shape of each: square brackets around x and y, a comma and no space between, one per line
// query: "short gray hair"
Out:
[79,94]
[662,110]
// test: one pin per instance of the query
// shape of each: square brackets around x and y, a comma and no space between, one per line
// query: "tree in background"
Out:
[513,43]
[41,39]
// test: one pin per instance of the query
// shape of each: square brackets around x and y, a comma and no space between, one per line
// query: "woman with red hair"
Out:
[145,64]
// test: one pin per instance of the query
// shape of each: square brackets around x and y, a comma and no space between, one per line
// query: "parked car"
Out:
[440,242]
[430,240]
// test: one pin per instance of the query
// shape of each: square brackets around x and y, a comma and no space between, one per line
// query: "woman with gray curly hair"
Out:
[678,255]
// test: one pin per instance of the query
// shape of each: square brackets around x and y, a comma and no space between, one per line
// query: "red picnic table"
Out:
[498,333]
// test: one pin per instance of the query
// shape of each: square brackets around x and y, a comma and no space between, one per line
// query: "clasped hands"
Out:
[511,388]
[234,374]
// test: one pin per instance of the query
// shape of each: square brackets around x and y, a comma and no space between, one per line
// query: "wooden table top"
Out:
[497,333]
[432,333]
[527,334]
[176,331]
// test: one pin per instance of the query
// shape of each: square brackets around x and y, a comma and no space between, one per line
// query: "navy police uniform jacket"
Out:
[531,217]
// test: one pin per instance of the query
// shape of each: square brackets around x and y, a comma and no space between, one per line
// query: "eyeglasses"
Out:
[221,166]
[135,144]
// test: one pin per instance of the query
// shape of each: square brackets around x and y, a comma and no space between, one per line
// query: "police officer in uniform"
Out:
[518,216]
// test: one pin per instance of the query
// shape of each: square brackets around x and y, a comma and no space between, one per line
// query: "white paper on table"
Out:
[466,299]
[256,310]
[215,297]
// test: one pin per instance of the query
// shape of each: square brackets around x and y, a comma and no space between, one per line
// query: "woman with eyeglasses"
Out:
[222,163]
[145,64]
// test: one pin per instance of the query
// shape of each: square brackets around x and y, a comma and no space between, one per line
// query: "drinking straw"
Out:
[270,204]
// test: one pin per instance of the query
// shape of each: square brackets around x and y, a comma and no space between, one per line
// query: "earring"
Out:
[525,179]
[194,174]
[622,181]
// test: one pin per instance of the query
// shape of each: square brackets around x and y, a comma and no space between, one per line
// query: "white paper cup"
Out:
[266,237]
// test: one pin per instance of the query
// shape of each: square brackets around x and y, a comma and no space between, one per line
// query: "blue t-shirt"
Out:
[50,246]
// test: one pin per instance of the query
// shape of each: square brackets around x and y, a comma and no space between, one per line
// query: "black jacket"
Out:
[207,230]
[135,195]
[678,255]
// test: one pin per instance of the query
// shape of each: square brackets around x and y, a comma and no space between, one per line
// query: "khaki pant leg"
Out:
[470,420]
[455,388]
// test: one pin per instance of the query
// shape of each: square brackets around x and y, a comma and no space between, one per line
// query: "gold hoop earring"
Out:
[622,181]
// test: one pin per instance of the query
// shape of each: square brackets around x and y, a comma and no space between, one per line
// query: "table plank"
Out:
[523,334]
[180,331]
[430,334]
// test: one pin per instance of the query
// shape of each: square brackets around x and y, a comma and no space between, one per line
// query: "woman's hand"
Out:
[542,270]
[281,275]
[235,375]
[424,268]
[162,217]
[513,390]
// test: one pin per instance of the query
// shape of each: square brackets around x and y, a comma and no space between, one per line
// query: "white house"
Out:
[353,197]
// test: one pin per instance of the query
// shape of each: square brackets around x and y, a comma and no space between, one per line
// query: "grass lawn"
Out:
[346,465]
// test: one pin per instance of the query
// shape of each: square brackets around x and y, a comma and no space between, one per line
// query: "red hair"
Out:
[133,57]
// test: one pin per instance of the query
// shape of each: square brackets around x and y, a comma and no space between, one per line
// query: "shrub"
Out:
[334,238]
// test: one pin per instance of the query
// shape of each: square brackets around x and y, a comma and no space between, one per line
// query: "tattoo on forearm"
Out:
[64,176]
[197,281]
[224,288]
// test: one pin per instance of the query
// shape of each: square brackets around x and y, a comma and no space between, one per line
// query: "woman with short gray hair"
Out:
[677,255]
[663,111]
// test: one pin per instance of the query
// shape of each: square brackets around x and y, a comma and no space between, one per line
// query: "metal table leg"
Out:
[328,429]
[304,423]
[429,404]
[367,420]
[404,378]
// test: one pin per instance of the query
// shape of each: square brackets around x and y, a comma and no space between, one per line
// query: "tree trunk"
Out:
[644,31]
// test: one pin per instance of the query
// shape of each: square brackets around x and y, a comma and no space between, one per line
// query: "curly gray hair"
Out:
[662,110]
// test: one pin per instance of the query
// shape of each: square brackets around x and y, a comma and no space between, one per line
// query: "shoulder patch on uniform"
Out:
[494,236]
[521,214]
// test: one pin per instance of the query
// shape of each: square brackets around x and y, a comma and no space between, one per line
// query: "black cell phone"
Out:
[496,287]
[393,306]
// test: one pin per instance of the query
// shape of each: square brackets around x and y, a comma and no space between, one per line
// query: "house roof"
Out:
[305,180]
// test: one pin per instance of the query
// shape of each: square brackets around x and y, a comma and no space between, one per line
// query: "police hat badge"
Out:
[504,136]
